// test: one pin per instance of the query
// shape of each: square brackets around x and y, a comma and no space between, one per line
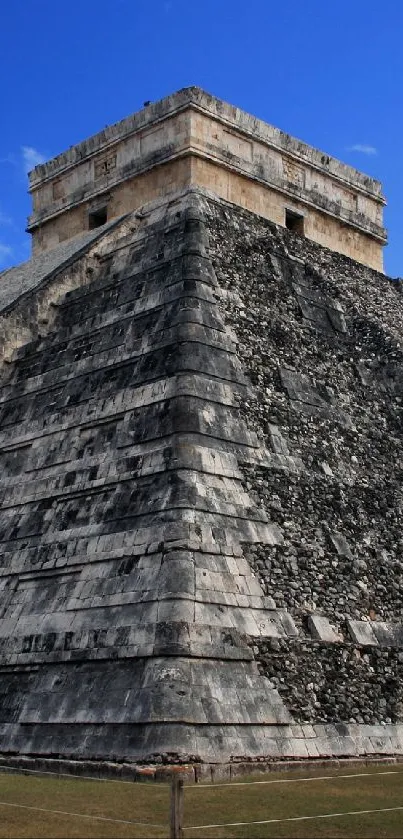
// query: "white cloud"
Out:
[31,157]
[10,158]
[5,220]
[363,148]
[5,252]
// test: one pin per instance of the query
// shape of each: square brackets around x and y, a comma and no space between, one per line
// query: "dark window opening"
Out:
[294,222]
[97,218]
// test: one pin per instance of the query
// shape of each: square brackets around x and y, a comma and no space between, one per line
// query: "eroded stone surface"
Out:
[200,500]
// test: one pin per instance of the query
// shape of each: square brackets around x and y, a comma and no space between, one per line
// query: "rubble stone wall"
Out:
[320,338]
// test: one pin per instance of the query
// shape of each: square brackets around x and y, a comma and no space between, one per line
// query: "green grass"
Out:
[207,804]
[289,798]
[145,802]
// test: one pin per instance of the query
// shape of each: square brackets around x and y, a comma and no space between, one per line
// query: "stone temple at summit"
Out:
[201,404]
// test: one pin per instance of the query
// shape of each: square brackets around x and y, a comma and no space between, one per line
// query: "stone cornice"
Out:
[217,109]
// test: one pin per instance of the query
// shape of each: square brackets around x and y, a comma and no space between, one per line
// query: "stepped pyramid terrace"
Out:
[201,396]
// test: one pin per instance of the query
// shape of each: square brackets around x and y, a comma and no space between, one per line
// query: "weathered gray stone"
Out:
[180,576]
[322,630]
[362,632]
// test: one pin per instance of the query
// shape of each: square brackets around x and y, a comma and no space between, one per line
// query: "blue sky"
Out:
[329,73]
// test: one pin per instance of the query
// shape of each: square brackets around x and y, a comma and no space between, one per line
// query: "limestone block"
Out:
[322,630]
[362,632]
[387,634]
[341,545]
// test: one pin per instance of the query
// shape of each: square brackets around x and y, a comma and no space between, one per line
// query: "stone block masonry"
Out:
[200,495]
[192,138]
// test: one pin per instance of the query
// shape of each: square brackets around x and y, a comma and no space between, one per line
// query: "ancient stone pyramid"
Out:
[200,431]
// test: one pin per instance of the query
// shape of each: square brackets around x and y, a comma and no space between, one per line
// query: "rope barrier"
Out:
[198,786]
[294,818]
[177,823]
[230,784]
[22,771]
[80,815]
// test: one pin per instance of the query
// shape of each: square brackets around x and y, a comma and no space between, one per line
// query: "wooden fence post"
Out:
[177,808]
